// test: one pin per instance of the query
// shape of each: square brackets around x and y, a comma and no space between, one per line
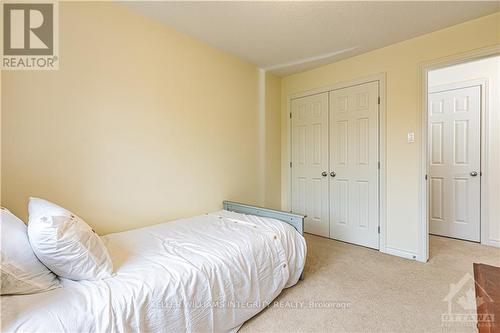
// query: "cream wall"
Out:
[401,64]
[488,69]
[273,139]
[140,125]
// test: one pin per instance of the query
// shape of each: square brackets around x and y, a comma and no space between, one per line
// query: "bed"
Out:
[208,273]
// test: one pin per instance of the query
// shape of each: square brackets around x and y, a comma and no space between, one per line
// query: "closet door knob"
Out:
[333,174]
[324,174]
[473,173]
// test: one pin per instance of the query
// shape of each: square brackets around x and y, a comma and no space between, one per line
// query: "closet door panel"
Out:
[310,162]
[354,151]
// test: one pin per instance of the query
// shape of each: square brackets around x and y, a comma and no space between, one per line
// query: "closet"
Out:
[335,163]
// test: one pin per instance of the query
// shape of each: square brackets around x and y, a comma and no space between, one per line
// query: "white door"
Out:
[455,162]
[354,167]
[310,161]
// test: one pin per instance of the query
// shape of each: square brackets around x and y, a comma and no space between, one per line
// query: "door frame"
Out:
[381,78]
[425,68]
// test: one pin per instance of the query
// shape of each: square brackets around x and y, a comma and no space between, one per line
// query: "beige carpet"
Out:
[358,290]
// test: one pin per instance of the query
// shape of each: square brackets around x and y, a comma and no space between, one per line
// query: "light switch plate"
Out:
[411,137]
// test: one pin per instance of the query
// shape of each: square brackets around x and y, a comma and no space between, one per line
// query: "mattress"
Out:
[208,273]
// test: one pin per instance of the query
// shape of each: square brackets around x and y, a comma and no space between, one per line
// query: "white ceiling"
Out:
[286,37]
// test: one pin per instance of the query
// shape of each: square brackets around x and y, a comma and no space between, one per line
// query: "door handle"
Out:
[333,174]
[324,174]
[473,173]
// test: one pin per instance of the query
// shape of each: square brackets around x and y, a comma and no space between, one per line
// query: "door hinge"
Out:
[378,229]
[378,165]
[425,177]
[290,164]
[290,115]
[379,100]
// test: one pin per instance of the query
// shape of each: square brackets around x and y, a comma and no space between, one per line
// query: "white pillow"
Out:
[65,243]
[22,272]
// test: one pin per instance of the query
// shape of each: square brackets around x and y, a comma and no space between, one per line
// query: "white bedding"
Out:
[208,273]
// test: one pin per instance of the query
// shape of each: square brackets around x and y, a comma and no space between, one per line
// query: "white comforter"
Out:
[208,273]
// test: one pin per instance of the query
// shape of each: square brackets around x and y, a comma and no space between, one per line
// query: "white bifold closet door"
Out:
[310,161]
[354,164]
[335,155]
[455,162]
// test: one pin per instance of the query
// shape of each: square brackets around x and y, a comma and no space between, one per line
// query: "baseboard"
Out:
[491,242]
[401,253]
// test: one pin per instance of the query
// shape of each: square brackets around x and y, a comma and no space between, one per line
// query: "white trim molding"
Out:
[401,253]
[425,68]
